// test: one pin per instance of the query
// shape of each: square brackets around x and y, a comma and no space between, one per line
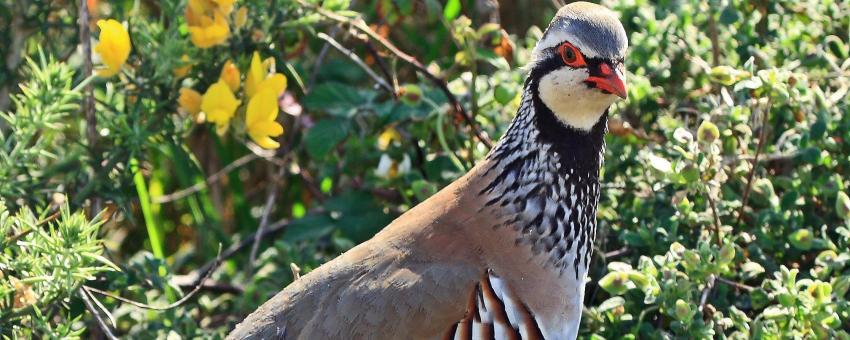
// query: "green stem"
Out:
[441,136]
[154,232]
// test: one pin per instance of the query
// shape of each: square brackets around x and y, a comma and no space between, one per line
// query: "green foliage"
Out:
[31,137]
[44,261]
[725,210]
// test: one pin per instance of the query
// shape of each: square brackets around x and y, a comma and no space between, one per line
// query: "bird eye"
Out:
[571,55]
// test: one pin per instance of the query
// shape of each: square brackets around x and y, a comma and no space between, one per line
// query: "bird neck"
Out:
[545,183]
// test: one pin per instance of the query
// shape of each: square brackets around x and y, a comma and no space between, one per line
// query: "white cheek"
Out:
[576,105]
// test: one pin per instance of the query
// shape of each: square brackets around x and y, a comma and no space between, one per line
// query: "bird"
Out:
[503,251]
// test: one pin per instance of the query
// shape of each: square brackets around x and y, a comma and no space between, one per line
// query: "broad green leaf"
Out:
[324,136]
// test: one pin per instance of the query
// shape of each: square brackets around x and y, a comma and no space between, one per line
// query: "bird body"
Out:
[502,252]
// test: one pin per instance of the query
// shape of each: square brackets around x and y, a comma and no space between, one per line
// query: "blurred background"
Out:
[167,166]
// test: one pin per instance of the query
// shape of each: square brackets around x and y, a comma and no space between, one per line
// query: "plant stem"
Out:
[154,232]
[441,136]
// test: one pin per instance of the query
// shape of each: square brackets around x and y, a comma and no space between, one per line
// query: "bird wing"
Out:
[413,280]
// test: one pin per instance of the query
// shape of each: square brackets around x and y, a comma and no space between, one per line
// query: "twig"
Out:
[751,175]
[264,221]
[177,303]
[713,36]
[361,25]
[311,185]
[189,282]
[210,267]
[84,294]
[296,271]
[18,236]
[317,65]
[704,297]
[716,217]
[382,67]
[616,253]
[356,59]
[765,158]
[211,179]
[740,286]
[88,95]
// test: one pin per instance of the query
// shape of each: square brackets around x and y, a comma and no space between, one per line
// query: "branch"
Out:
[356,59]
[88,95]
[740,286]
[361,25]
[177,303]
[264,220]
[203,185]
[189,282]
[716,217]
[317,65]
[87,300]
[704,297]
[762,138]
[210,267]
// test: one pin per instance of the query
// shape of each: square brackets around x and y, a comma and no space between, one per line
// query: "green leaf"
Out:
[750,270]
[818,129]
[310,227]
[683,310]
[616,283]
[802,239]
[659,163]
[842,205]
[451,10]
[729,15]
[324,136]
[423,189]
[337,99]
[611,303]
[503,94]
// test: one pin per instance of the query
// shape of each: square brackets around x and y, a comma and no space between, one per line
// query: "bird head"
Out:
[577,66]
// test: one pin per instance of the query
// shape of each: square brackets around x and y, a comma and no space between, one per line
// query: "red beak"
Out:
[609,82]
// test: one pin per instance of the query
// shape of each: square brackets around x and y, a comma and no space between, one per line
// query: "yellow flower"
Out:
[387,137]
[209,31]
[258,77]
[260,119]
[190,101]
[230,75]
[199,7]
[241,17]
[219,105]
[113,48]
[225,6]
[182,71]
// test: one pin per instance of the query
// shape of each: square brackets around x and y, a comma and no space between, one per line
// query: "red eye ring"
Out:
[571,55]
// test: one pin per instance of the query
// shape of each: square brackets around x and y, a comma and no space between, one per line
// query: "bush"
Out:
[724,213]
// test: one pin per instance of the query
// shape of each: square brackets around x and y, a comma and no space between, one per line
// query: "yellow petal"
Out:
[230,75]
[265,142]
[275,83]
[388,136]
[190,101]
[241,17]
[199,7]
[219,103]
[262,108]
[269,128]
[255,75]
[210,31]
[182,71]
[225,6]
[114,45]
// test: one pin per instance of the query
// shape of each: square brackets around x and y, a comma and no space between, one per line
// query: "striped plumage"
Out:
[501,253]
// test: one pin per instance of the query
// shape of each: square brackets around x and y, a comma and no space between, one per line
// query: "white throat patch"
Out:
[575,104]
